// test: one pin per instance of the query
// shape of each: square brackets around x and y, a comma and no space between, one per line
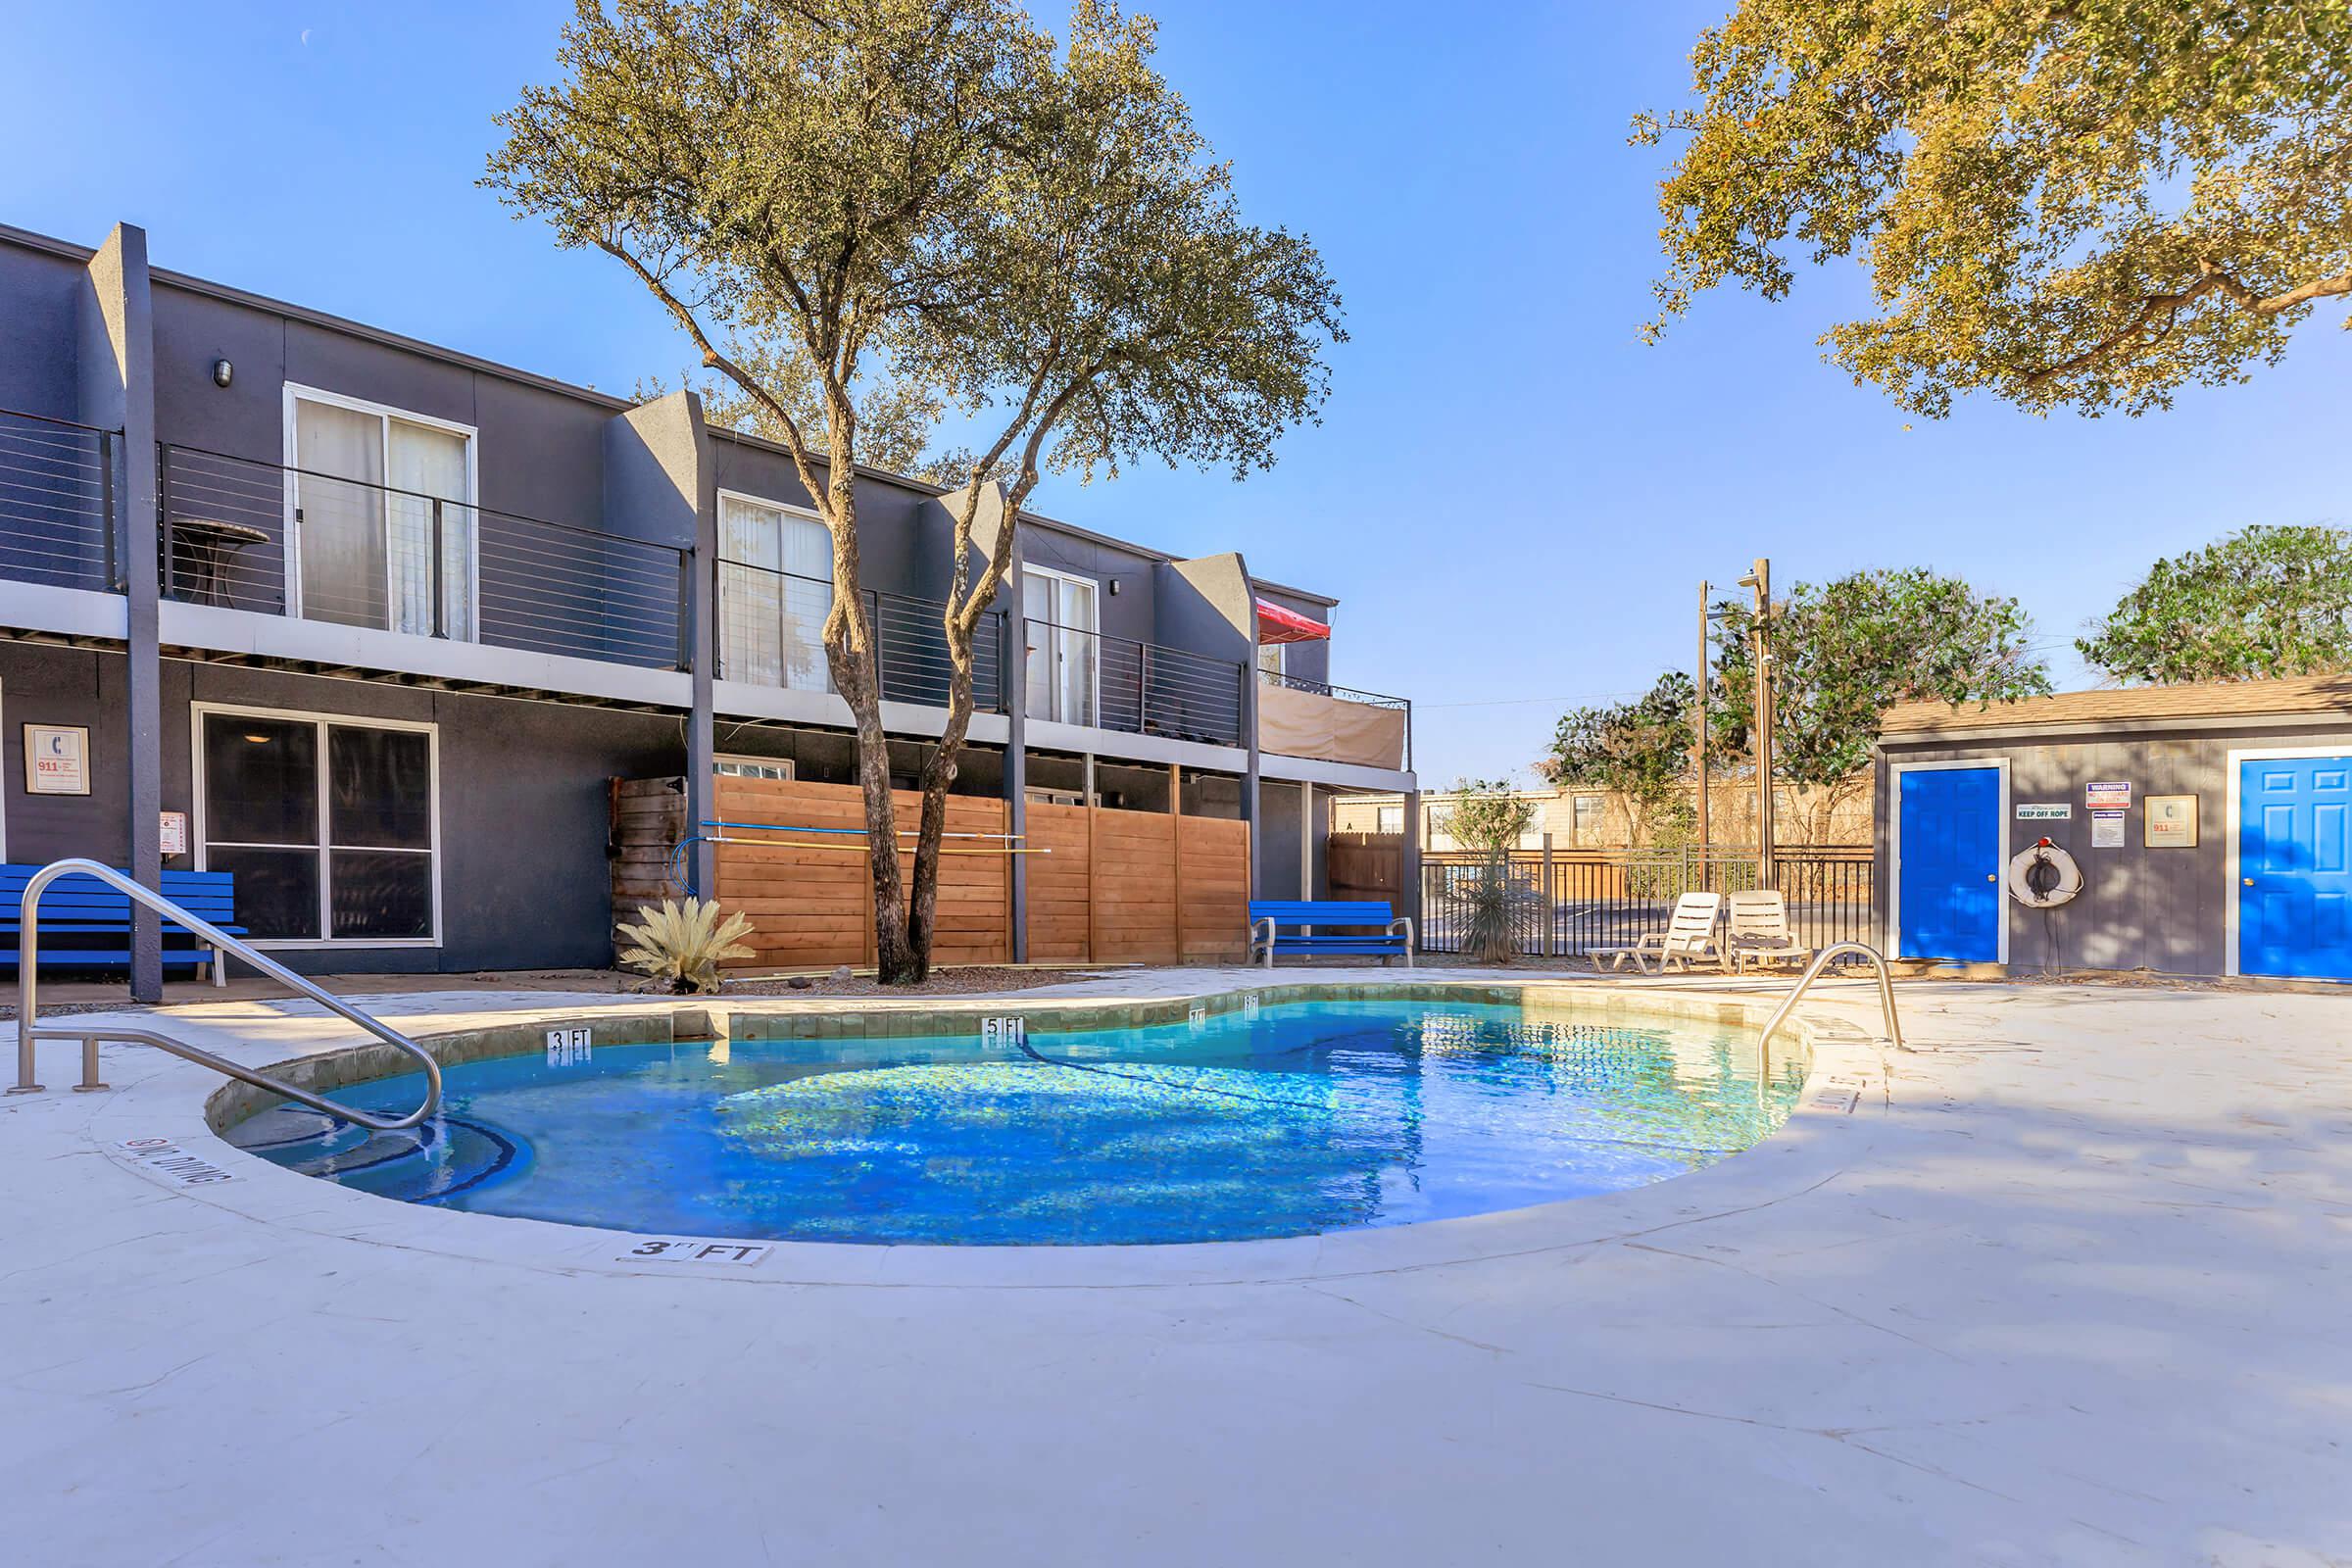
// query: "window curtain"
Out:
[775,590]
[339,522]
[426,463]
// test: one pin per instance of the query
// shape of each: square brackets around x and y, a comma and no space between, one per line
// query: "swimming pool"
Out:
[1292,1118]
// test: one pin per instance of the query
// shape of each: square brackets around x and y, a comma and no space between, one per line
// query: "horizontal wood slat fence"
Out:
[1117,886]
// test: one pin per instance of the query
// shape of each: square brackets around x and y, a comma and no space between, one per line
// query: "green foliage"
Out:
[1845,650]
[2261,602]
[2066,205]
[897,417]
[1488,818]
[1640,749]
[681,943]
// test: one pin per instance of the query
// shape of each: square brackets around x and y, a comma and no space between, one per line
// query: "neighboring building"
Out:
[2212,825]
[1605,819]
[374,623]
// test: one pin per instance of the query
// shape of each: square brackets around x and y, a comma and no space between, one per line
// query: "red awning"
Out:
[1276,624]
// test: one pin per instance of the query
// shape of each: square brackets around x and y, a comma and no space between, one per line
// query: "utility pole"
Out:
[1759,578]
[1699,746]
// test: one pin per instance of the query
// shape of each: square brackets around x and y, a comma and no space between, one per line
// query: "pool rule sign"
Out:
[2107,802]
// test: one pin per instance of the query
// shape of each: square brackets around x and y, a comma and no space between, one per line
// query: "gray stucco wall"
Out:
[524,880]
[2159,909]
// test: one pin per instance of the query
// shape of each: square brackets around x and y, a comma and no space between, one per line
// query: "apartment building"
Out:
[373,625]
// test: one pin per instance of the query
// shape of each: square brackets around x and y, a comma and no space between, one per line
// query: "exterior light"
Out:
[222,372]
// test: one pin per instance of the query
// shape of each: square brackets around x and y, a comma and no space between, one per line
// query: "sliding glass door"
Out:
[375,495]
[1062,656]
[775,589]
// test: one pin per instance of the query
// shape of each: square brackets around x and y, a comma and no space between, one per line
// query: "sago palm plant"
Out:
[681,943]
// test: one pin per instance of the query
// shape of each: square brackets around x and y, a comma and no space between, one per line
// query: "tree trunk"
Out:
[939,771]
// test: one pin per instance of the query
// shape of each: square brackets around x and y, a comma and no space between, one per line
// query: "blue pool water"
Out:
[1312,1116]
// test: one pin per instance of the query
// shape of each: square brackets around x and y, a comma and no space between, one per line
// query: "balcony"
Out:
[1075,676]
[1315,719]
[276,541]
[771,633]
[57,490]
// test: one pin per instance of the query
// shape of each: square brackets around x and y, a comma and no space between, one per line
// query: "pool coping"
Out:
[167,1134]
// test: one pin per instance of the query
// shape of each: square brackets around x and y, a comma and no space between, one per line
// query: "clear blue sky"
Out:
[1513,497]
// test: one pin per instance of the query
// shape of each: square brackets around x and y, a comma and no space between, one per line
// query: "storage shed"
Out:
[2210,825]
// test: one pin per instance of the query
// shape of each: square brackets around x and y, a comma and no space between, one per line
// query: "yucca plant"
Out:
[681,943]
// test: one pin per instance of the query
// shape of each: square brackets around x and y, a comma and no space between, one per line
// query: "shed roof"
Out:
[2305,694]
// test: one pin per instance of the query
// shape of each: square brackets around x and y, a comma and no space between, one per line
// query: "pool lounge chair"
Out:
[1759,931]
[1688,938]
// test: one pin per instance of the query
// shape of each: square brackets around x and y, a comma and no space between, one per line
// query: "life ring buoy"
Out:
[2042,876]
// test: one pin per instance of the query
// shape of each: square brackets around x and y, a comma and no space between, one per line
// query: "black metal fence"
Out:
[258,536]
[1577,901]
[57,502]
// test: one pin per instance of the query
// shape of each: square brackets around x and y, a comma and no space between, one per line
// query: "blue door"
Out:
[2294,875]
[1948,881]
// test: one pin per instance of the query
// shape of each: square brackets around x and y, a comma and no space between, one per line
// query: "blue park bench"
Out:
[1275,926]
[86,924]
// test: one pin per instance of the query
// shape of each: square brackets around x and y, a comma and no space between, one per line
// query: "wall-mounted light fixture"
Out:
[1114,587]
[222,372]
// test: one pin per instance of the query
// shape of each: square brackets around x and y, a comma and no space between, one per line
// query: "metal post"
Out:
[1760,580]
[1143,689]
[106,503]
[1699,744]
[440,598]
[1547,899]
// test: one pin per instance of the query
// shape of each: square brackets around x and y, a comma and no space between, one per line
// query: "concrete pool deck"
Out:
[2066,1285]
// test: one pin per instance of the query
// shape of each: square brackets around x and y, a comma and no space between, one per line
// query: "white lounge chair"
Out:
[1688,938]
[1759,931]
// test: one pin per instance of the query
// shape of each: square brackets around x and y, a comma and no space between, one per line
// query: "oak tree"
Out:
[2263,602]
[929,192]
[2083,204]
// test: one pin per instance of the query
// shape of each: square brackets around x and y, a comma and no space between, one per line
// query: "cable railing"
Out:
[281,541]
[57,502]
[771,633]
[1076,676]
[30,1033]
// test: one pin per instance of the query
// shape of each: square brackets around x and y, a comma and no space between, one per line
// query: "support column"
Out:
[114,332]
[1409,896]
[1012,666]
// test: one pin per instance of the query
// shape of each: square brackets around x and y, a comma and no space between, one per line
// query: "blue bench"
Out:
[86,924]
[1301,925]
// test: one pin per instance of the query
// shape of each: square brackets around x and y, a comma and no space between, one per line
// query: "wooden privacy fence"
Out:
[1116,885]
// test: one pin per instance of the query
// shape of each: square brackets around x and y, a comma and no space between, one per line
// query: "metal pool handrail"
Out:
[29,986]
[1837,950]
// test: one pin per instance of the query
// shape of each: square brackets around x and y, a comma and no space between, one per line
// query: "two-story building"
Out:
[371,624]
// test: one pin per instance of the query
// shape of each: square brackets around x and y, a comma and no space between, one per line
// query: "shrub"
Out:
[681,943]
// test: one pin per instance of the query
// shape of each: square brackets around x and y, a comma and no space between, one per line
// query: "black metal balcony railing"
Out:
[283,541]
[1086,677]
[771,633]
[57,502]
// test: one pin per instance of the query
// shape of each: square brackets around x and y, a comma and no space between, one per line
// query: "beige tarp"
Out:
[1297,724]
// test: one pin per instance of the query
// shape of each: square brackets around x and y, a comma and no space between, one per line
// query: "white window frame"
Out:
[789,508]
[725,759]
[1894,847]
[1056,575]
[200,712]
[295,391]
[2238,758]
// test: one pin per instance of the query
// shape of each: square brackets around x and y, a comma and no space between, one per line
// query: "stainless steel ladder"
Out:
[1821,962]
[28,991]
